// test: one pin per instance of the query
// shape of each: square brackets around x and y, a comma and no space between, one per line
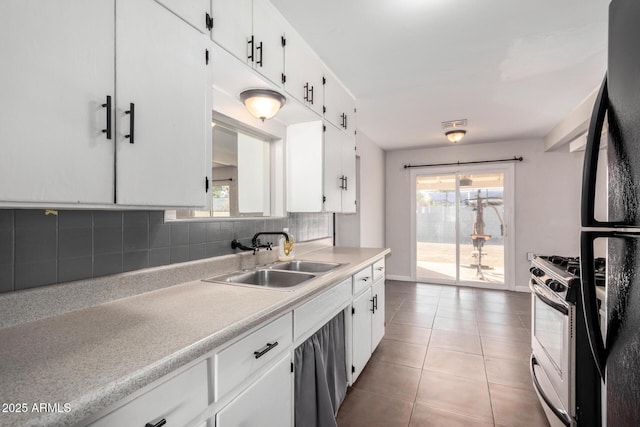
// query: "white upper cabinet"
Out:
[340,107]
[56,73]
[63,121]
[232,26]
[268,32]
[317,186]
[162,142]
[339,171]
[252,30]
[303,72]
[195,12]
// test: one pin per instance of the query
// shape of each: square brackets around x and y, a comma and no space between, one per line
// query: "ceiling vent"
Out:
[454,123]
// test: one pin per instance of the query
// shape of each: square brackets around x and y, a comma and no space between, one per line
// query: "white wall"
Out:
[547,200]
[371,207]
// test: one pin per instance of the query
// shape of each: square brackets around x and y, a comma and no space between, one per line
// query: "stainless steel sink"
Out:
[305,266]
[266,278]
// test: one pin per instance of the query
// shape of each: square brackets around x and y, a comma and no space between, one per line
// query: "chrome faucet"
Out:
[255,242]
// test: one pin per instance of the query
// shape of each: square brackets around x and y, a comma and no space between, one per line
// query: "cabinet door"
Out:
[303,72]
[192,11]
[161,69]
[304,167]
[232,25]
[339,105]
[377,320]
[333,177]
[268,30]
[348,163]
[267,402]
[57,70]
[361,347]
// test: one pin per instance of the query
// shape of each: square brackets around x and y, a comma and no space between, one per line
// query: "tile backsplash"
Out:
[40,248]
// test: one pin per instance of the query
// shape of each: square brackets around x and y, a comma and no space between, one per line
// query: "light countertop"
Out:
[93,357]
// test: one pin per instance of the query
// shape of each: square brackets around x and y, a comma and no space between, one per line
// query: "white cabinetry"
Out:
[57,70]
[361,345]
[268,402]
[177,400]
[315,185]
[162,144]
[368,323]
[339,106]
[251,30]
[303,71]
[60,104]
[193,11]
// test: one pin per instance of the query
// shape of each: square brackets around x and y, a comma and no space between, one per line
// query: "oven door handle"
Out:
[535,288]
[562,415]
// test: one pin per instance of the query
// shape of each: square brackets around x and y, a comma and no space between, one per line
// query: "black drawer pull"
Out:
[259,61]
[259,354]
[364,279]
[380,268]
[107,105]
[158,424]
[132,122]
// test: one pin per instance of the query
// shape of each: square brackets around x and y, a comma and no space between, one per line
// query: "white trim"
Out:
[509,208]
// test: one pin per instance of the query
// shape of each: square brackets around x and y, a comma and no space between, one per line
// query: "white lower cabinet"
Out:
[368,322]
[361,345]
[177,401]
[267,402]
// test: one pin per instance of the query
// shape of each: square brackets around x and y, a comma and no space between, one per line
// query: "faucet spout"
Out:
[255,242]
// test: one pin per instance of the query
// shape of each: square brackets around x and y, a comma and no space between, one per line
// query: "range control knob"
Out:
[536,271]
[556,286]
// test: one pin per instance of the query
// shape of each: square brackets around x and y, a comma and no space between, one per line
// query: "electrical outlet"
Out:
[529,256]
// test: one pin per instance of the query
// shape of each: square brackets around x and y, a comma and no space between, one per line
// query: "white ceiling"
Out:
[513,68]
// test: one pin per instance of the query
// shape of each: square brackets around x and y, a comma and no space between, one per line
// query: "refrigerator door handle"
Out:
[589,301]
[591,159]
[562,415]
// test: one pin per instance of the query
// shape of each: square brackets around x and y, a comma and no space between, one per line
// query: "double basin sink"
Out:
[286,276]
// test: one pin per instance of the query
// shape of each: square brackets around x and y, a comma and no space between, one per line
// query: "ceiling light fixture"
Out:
[455,136]
[262,103]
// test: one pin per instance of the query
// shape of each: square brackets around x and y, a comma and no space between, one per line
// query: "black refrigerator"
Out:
[613,324]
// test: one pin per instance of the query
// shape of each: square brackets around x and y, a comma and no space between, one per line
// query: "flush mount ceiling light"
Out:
[262,103]
[455,136]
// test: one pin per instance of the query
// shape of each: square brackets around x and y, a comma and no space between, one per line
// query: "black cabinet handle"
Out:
[259,354]
[107,105]
[306,92]
[341,186]
[259,48]
[158,424]
[365,278]
[132,122]
[346,183]
[375,303]
[251,42]
[380,268]
[311,100]
[345,120]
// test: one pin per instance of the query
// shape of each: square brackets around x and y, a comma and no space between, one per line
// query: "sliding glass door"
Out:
[461,227]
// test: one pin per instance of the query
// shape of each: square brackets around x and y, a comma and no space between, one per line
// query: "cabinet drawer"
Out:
[362,279]
[177,400]
[267,402]
[237,362]
[319,310]
[378,269]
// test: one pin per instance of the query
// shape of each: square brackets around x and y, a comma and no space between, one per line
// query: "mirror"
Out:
[241,181]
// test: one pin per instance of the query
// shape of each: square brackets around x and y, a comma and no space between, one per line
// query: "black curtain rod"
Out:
[514,159]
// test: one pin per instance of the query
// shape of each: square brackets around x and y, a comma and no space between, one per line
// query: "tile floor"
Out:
[451,356]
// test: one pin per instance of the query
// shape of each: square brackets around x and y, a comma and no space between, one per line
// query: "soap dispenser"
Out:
[286,250]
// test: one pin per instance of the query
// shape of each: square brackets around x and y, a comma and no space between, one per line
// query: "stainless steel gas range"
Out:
[558,340]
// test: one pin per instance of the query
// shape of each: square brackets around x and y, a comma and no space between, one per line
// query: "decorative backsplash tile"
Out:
[38,249]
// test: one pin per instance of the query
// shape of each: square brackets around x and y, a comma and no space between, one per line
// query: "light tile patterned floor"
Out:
[451,356]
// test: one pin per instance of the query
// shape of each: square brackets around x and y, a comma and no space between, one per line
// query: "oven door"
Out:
[553,352]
